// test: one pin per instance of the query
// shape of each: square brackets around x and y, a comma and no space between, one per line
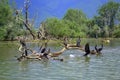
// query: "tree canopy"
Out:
[73,24]
[9,27]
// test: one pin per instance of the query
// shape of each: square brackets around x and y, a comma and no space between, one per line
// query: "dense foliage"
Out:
[9,27]
[108,14]
[73,24]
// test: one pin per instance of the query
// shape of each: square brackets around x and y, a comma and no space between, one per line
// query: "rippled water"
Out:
[74,66]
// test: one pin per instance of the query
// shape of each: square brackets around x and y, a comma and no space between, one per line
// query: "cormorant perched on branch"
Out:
[23,48]
[87,49]
[65,41]
[44,49]
[78,42]
[45,54]
[98,50]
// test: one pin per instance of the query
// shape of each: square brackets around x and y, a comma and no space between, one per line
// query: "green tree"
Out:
[116,32]
[9,27]
[108,13]
[5,17]
[79,21]
[60,28]
[75,15]
[56,28]
[5,12]
[73,24]
[106,20]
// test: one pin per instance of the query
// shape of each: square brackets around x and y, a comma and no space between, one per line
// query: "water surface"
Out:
[77,67]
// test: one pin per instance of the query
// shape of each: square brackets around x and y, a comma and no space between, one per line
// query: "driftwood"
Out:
[56,54]
[36,55]
[96,51]
[42,32]
[73,46]
[49,54]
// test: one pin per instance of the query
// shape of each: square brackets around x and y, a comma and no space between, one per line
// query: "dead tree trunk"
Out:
[27,4]
[26,21]
[27,27]
[42,32]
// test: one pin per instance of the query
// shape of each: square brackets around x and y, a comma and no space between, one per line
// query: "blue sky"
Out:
[57,8]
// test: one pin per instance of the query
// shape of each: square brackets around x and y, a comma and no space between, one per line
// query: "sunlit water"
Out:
[74,66]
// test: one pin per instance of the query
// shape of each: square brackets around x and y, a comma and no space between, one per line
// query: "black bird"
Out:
[78,42]
[65,41]
[46,54]
[98,50]
[87,49]
[43,50]
[22,42]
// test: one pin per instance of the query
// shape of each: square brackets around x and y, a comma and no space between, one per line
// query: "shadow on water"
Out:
[27,64]
[87,59]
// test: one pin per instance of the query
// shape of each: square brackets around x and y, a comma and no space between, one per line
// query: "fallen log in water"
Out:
[39,56]
[73,46]
[56,54]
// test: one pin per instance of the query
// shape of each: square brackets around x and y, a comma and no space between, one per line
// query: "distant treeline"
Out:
[73,24]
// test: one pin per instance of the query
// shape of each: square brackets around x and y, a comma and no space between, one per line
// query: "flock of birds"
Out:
[43,53]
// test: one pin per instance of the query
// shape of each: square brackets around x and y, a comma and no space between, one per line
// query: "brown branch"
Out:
[27,27]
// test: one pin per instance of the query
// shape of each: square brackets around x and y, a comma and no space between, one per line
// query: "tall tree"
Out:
[75,15]
[5,12]
[108,13]
[27,25]
[79,18]
[8,25]
[26,19]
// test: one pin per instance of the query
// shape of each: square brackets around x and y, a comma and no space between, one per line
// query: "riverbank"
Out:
[71,40]
[92,41]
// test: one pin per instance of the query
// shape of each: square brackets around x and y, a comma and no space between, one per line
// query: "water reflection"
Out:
[23,65]
[87,59]
[28,64]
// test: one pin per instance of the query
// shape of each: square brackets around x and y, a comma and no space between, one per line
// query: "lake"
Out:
[75,67]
